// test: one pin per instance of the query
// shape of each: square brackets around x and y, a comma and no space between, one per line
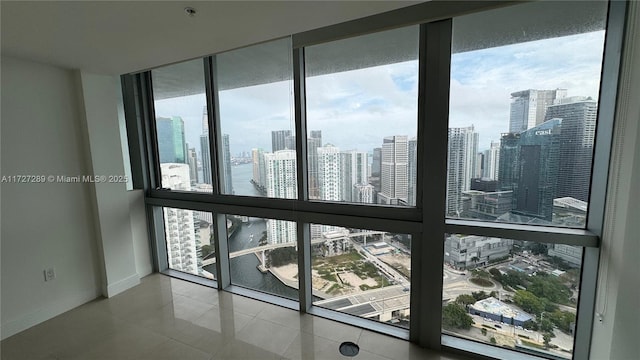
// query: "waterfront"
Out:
[243,269]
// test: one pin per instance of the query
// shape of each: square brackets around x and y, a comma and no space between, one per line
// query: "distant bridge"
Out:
[288,244]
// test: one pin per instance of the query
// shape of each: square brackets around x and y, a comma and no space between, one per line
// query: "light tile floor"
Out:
[167,318]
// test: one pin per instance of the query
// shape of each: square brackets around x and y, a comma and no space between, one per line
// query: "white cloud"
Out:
[356,109]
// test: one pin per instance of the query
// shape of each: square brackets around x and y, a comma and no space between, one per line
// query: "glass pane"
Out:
[362,98]
[523,108]
[510,293]
[190,242]
[362,272]
[263,255]
[256,116]
[181,126]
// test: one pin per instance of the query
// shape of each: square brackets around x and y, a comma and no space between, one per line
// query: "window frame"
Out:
[424,221]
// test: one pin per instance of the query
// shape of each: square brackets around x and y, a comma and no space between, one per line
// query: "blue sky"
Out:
[356,109]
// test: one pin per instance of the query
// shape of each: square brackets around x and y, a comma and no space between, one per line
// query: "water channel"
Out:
[243,269]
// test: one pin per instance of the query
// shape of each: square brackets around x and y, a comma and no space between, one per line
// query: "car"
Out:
[498,326]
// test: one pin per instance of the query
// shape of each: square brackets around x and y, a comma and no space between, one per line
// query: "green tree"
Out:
[545,324]
[495,273]
[528,302]
[479,295]
[562,320]
[465,299]
[549,287]
[475,260]
[547,338]
[531,325]
[207,250]
[538,248]
[484,331]
[263,239]
[492,340]
[513,279]
[282,256]
[454,316]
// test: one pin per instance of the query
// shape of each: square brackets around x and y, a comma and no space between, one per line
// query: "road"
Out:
[392,273]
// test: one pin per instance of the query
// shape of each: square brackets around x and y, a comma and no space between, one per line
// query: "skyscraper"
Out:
[206,158]
[281,183]
[528,107]
[281,174]
[394,167]
[204,149]
[491,161]
[461,158]
[376,165]
[412,172]
[281,140]
[180,233]
[313,143]
[578,116]
[529,167]
[478,171]
[363,193]
[205,120]
[329,173]
[171,142]
[259,175]
[354,171]
[193,164]
[226,166]
[508,162]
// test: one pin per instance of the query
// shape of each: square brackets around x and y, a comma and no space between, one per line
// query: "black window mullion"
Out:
[213,119]
[146,92]
[433,115]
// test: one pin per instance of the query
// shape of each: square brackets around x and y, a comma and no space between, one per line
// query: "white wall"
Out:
[618,296]
[43,225]
[63,122]
[112,207]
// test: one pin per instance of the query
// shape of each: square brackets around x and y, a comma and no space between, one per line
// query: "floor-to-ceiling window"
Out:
[436,181]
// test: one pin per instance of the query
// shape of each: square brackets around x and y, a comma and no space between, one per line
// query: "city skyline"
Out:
[492,73]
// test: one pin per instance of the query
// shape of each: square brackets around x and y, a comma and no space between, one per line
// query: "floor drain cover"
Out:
[349,349]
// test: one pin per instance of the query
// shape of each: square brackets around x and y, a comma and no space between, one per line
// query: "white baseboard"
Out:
[52,310]
[122,285]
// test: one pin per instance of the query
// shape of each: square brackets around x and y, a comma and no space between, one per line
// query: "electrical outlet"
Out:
[49,274]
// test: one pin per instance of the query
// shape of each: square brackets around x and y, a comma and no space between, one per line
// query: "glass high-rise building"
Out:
[226,165]
[354,166]
[578,116]
[491,166]
[461,159]
[313,143]
[281,140]
[536,170]
[528,107]
[206,158]
[172,146]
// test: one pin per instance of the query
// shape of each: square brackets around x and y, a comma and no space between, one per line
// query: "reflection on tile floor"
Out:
[166,318]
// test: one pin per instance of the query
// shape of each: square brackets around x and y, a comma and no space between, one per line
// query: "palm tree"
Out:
[475,260]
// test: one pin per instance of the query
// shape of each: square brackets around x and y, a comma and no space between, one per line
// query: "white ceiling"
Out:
[116,37]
